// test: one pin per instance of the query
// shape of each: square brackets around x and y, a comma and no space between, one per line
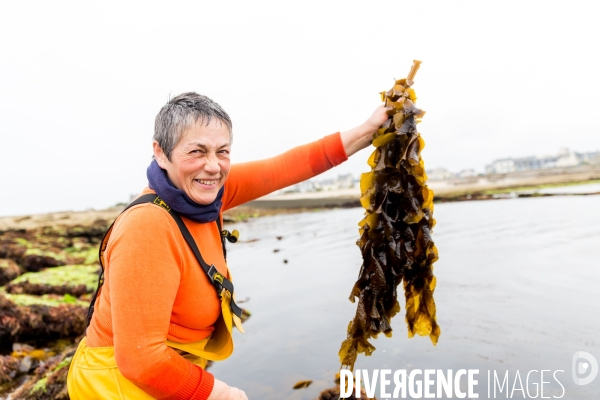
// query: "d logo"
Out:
[581,368]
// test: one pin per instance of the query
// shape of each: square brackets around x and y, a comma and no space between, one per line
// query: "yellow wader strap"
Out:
[221,284]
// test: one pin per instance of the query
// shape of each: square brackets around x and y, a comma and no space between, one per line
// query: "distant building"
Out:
[548,162]
[564,158]
[466,173]
[589,158]
[302,187]
[567,158]
[439,174]
[326,184]
[502,166]
[527,163]
[344,181]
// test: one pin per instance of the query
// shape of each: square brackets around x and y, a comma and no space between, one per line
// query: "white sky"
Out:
[81,82]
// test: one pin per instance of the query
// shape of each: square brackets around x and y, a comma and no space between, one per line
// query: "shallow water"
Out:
[517,291]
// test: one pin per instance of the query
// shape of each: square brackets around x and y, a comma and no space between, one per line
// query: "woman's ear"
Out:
[159,155]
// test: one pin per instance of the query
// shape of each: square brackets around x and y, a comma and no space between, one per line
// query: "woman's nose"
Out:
[212,165]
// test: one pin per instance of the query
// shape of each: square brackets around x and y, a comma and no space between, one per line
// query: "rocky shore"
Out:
[47,276]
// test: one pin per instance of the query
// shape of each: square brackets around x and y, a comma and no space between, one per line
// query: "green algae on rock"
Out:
[43,305]
[27,317]
[49,380]
[17,245]
[395,235]
[9,270]
[35,259]
[75,280]
[26,300]
[83,254]
[93,232]
[47,247]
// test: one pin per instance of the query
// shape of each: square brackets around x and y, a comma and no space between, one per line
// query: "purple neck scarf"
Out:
[178,200]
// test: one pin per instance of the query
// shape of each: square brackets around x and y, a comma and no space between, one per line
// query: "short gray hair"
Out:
[180,113]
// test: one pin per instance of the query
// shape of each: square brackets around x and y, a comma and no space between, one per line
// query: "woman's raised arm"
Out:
[251,180]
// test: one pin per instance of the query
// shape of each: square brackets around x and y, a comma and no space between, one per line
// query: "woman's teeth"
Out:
[207,182]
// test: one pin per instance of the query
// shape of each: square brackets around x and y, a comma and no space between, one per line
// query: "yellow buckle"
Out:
[218,277]
[160,202]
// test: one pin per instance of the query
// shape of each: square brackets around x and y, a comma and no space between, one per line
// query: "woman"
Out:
[158,317]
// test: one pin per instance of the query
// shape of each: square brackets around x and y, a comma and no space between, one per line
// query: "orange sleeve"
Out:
[251,180]
[145,266]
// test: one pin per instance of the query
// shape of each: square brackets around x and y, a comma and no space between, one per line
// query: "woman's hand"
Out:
[360,137]
[222,391]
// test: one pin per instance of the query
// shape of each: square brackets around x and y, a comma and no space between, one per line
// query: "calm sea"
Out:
[518,291]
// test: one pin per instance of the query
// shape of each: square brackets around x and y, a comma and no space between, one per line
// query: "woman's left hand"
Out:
[360,137]
[222,391]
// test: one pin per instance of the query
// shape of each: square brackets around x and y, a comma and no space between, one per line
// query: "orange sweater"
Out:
[155,290]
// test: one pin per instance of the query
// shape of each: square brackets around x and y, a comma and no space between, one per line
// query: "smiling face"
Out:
[199,162]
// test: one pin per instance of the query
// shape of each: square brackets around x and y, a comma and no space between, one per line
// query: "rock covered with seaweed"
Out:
[47,274]
[47,277]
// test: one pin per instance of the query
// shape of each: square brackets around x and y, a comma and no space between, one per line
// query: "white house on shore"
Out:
[564,158]
[343,181]
[467,173]
[439,174]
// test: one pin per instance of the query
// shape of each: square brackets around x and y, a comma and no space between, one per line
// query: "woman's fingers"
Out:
[378,117]
[222,391]
[238,394]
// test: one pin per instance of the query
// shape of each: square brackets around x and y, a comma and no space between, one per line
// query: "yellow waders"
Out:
[94,373]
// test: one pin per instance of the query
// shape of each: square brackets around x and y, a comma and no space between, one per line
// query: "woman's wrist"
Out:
[356,139]
[360,137]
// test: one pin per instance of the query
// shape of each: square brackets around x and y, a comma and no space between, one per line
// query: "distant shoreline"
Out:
[519,184]
[457,189]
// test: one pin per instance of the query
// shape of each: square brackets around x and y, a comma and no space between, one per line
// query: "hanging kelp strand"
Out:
[395,234]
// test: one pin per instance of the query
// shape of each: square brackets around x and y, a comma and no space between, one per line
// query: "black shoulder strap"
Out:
[216,278]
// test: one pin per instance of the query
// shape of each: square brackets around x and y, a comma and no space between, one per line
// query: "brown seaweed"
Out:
[395,234]
[333,393]
[302,384]
[26,317]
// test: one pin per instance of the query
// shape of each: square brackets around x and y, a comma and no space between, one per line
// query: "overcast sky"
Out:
[81,82]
